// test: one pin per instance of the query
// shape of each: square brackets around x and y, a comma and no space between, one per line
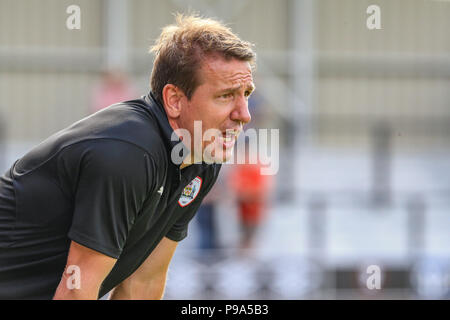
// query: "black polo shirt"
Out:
[106,182]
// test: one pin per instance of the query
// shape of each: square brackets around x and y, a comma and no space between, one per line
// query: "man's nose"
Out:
[241,112]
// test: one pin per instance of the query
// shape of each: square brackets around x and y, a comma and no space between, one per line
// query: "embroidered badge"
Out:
[190,192]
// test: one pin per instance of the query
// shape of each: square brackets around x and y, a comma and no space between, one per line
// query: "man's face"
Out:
[220,102]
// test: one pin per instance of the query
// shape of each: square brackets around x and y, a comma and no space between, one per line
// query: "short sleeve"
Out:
[179,230]
[114,179]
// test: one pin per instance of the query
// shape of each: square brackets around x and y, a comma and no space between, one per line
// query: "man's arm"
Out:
[84,273]
[149,280]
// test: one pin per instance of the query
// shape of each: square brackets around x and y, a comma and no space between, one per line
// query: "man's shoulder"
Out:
[111,130]
[128,121]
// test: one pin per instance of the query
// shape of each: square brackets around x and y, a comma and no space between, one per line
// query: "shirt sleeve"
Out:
[114,179]
[179,230]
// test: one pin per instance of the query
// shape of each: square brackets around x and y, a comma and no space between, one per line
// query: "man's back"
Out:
[107,183]
[90,183]
[37,195]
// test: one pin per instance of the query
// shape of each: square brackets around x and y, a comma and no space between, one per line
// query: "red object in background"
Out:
[252,191]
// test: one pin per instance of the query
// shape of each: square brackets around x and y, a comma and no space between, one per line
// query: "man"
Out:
[101,205]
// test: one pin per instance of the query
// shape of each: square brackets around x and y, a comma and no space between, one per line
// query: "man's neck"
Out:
[184,165]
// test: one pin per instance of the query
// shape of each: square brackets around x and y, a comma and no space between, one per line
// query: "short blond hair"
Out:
[181,48]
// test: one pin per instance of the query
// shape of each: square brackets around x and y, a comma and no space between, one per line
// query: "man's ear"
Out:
[172,97]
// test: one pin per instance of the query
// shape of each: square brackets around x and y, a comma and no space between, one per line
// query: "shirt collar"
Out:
[157,109]
[159,112]
[167,131]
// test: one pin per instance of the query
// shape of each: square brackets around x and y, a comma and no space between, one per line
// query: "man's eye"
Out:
[226,95]
[248,93]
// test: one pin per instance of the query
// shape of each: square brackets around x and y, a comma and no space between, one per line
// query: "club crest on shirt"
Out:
[190,192]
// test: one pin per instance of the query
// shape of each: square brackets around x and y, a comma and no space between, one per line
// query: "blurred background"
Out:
[364,125]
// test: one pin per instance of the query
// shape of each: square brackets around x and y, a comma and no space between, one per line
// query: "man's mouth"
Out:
[229,137]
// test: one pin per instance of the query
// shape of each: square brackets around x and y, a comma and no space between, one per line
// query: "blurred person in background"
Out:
[252,191]
[206,219]
[101,205]
[113,87]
